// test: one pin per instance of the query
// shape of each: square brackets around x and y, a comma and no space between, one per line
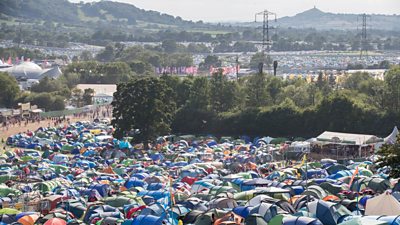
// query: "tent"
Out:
[391,139]
[255,220]
[222,203]
[363,221]
[384,204]
[147,219]
[266,210]
[328,213]
[301,221]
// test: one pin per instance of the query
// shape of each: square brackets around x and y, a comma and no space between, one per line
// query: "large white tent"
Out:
[391,139]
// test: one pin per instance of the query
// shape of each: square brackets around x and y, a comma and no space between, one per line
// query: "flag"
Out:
[303,161]
[352,177]
[172,196]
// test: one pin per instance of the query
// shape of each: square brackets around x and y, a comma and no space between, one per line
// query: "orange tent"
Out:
[28,219]
[108,170]
[331,198]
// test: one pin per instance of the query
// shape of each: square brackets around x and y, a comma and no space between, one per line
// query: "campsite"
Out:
[78,173]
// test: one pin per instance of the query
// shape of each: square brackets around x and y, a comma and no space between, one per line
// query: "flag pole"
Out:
[305,157]
[358,190]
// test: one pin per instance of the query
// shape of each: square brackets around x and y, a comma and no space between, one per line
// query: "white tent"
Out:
[391,139]
[347,138]
[384,204]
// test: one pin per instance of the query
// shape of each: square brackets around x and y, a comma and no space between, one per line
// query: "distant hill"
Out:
[78,13]
[315,18]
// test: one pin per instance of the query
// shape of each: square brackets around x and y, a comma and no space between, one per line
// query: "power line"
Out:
[363,36]
[266,41]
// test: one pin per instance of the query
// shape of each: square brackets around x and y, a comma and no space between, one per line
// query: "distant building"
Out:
[30,70]
[103,93]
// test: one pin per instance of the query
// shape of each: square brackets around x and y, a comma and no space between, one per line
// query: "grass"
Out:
[83,17]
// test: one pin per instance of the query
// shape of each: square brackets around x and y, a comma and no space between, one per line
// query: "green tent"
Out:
[316,191]
[5,191]
[333,189]
[5,178]
[9,211]
[244,195]
[256,219]
[118,201]
[278,219]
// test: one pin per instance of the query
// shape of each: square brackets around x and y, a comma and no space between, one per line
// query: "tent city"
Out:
[261,112]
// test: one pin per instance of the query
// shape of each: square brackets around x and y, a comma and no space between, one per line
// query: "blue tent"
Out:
[301,221]
[242,211]
[328,213]
[134,182]
[342,173]
[146,219]
[155,194]
[100,188]
[140,175]
[154,210]
[266,210]
[155,186]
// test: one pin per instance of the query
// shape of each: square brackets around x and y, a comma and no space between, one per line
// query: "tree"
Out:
[257,94]
[77,97]
[353,81]
[274,85]
[9,90]
[390,157]
[141,68]
[199,97]
[107,54]
[86,56]
[223,93]
[144,105]
[47,85]
[87,96]
[392,79]
[258,58]
[210,61]
[169,46]
[46,101]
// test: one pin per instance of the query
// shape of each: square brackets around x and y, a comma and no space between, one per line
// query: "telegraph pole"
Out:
[363,39]
[266,41]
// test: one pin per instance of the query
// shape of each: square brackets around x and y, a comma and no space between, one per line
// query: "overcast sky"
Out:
[243,10]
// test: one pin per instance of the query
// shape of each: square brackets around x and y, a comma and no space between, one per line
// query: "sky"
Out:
[244,10]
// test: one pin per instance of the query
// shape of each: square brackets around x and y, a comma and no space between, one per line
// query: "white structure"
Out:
[103,93]
[347,138]
[30,70]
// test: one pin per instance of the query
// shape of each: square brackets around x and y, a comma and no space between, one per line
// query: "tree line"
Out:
[257,105]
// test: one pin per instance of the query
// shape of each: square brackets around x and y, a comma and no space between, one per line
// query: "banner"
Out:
[227,70]
[177,70]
